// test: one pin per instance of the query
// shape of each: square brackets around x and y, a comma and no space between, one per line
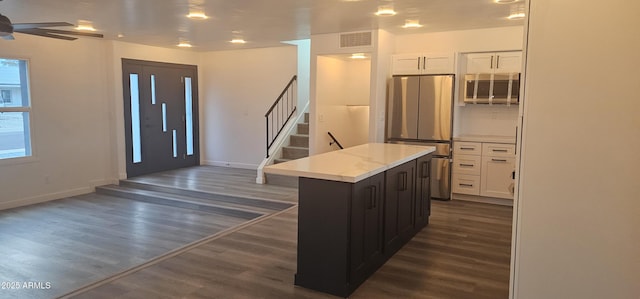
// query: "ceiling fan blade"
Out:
[8,37]
[44,33]
[36,25]
[68,32]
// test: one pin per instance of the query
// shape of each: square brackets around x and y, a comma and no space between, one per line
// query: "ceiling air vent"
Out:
[355,39]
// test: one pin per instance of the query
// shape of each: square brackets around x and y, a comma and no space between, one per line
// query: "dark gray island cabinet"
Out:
[349,226]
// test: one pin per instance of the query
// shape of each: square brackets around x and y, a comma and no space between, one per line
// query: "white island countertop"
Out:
[351,164]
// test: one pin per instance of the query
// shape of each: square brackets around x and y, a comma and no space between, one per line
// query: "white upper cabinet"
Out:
[423,63]
[498,62]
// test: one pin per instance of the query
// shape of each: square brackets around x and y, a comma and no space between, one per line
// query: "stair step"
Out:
[174,200]
[280,160]
[292,152]
[281,180]
[299,140]
[306,117]
[303,129]
[208,197]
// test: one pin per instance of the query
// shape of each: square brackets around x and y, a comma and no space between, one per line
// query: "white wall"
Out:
[472,119]
[71,124]
[497,120]
[578,212]
[119,50]
[380,75]
[341,101]
[238,88]
[322,46]
[478,40]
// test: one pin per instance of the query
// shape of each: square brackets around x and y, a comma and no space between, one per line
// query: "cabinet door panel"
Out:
[480,63]
[467,148]
[366,227]
[467,164]
[465,184]
[498,150]
[423,192]
[508,62]
[399,203]
[406,64]
[442,63]
[497,179]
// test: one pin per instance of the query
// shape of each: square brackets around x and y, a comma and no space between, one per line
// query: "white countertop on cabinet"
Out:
[351,164]
[486,138]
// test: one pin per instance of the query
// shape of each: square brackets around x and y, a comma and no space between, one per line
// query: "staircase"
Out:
[298,143]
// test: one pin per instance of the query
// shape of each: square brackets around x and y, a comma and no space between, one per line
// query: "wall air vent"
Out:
[356,39]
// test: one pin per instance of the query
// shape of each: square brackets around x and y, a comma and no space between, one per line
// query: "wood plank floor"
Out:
[463,253]
[220,180]
[79,240]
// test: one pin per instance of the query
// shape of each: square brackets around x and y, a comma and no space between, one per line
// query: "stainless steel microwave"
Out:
[492,88]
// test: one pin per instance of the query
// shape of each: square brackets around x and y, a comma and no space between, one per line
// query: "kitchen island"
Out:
[357,207]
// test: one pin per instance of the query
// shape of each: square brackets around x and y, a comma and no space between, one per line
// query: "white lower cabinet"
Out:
[483,169]
[466,184]
[497,177]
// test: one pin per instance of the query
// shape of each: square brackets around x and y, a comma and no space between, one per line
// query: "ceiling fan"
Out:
[7,29]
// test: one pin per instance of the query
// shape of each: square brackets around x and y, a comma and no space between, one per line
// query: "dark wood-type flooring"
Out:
[463,253]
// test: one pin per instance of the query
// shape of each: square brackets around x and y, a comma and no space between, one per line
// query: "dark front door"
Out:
[161,116]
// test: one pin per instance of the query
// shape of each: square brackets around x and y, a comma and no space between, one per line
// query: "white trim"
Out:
[483,199]
[279,143]
[45,198]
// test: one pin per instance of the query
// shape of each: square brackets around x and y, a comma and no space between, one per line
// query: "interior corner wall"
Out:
[70,121]
[578,207]
[239,87]
[380,75]
[120,50]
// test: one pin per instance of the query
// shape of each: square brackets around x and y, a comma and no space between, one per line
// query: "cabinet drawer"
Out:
[467,164]
[466,184]
[467,148]
[498,150]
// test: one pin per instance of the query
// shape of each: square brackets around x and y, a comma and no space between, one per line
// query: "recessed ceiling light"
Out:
[184,44]
[120,35]
[197,15]
[358,56]
[385,11]
[412,24]
[84,25]
[238,41]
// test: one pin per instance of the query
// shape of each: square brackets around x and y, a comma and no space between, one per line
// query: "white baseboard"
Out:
[45,197]
[231,164]
[483,199]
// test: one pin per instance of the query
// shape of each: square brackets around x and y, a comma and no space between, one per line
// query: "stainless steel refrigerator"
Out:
[419,111]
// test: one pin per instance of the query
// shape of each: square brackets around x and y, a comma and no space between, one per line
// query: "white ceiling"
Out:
[262,23]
